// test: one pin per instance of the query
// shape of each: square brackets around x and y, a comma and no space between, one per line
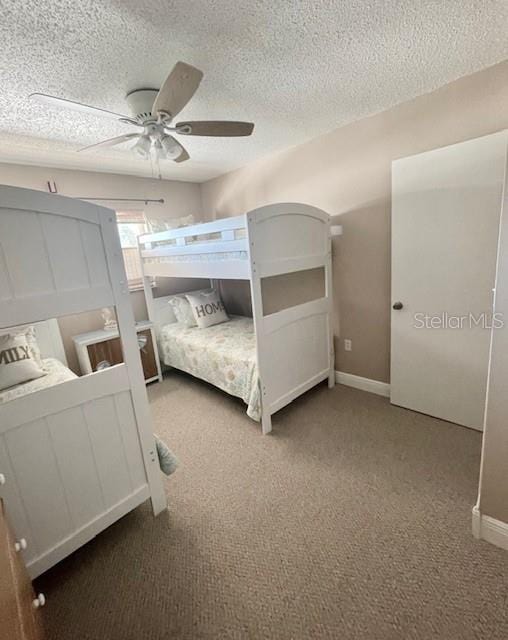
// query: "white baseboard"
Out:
[490,529]
[365,384]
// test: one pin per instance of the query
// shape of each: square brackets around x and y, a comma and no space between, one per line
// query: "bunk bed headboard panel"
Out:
[52,257]
[288,237]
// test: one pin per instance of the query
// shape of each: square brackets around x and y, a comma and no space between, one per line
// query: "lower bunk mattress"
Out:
[56,372]
[223,355]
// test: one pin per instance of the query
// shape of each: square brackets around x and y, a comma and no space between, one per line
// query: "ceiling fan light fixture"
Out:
[143,146]
[171,148]
[159,152]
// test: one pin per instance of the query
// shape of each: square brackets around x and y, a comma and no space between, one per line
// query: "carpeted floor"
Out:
[351,521]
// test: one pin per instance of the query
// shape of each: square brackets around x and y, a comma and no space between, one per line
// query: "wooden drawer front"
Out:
[148,356]
[9,619]
[19,619]
[110,350]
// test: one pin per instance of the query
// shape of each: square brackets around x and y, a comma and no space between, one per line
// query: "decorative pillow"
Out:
[207,309]
[34,346]
[183,312]
[17,362]
[29,332]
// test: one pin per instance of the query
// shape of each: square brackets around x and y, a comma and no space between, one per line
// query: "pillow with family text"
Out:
[17,360]
[207,308]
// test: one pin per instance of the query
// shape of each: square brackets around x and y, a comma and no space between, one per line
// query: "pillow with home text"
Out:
[207,308]
[17,361]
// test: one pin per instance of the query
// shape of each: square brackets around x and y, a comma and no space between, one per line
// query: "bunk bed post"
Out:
[257,316]
[329,295]
[147,284]
[128,337]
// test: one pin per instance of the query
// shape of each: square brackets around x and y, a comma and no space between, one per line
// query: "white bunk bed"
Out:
[293,347]
[77,454]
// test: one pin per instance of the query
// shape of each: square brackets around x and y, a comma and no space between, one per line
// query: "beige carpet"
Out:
[351,521]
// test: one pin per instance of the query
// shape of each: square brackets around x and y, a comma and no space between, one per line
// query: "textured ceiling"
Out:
[297,68]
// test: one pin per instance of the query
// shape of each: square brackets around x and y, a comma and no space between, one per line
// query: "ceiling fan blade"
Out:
[75,106]
[183,156]
[111,142]
[215,128]
[178,89]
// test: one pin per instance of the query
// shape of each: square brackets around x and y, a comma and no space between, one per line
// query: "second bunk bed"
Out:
[284,349]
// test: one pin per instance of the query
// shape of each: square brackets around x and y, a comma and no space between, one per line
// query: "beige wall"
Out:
[347,173]
[181,199]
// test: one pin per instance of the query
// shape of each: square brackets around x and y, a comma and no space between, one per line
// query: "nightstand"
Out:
[103,348]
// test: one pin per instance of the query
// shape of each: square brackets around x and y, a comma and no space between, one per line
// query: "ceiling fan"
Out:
[154,111]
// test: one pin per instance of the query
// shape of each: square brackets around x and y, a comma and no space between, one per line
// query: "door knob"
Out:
[20,545]
[397,306]
[39,601]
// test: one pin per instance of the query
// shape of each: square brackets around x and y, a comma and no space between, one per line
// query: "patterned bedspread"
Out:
[224,355]
[57,372]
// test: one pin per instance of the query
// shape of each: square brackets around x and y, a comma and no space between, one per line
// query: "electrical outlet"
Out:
[348,345]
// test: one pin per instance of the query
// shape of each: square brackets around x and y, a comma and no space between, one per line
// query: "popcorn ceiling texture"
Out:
[297,69]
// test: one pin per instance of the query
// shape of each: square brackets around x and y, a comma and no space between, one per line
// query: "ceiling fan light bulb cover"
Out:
[159,151]
[171,147]
[142,146]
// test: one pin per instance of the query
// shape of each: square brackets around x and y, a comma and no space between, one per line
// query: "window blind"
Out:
[131,224]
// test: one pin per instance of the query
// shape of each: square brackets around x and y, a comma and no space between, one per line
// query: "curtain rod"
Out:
[145,200]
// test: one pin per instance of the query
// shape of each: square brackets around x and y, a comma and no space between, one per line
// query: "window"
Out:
[131,224]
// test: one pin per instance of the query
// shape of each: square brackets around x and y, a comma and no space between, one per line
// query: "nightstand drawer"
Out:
[100,349]
[148,358]
[108,351]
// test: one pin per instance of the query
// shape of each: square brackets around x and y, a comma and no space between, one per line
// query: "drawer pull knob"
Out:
[40,601]
[20,545]
[2,479]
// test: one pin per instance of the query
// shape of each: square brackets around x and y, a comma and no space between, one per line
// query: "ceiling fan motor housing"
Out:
[140,104]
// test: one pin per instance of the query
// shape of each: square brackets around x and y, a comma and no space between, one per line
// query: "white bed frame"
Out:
[295,345]
[77,456]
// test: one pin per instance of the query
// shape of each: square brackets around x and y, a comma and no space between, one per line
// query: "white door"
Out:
[446,206]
